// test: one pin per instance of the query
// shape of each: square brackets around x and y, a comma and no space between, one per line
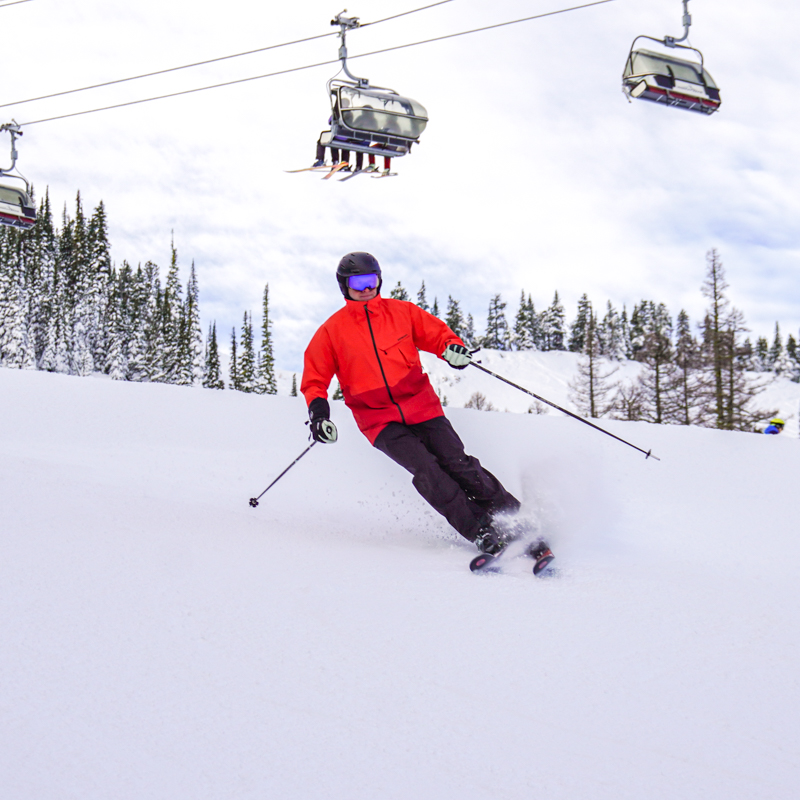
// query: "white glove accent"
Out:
[323,430]
[457,356]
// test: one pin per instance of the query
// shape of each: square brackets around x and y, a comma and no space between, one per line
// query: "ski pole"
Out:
[647,453]
[254,500]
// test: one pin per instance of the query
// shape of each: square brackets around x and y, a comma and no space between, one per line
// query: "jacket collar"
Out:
[356,307]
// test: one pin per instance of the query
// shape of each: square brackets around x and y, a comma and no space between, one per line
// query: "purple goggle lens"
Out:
[362,282]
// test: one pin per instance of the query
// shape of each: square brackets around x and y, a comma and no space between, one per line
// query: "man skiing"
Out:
[372,345]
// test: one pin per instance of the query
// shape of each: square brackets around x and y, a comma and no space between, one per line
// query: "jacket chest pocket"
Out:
[400,350]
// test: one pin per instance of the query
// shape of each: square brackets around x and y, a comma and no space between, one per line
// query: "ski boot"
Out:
[491,543]
[542,555]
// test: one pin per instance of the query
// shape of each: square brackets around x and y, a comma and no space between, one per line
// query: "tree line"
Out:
[65,307]
[618,335]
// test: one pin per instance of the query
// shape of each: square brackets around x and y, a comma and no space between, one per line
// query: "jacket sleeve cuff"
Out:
[319,408]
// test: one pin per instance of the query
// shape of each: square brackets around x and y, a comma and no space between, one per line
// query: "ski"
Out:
[351,175]
[341,165]
[386,174]
[307,169]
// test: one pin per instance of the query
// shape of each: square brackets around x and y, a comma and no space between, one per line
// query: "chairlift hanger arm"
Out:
[671,41]
[15,130]
[347,24]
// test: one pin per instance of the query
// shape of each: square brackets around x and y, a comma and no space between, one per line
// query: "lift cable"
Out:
[207,61]
[318,64]
[14,3]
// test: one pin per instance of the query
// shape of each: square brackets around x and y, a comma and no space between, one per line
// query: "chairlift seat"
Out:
[16,208]
[375,121]
[671,81]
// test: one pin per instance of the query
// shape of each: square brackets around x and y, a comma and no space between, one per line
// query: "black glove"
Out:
[322,429]
[457,356]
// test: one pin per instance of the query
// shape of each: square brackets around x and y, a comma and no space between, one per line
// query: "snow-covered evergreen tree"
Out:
[525,325]
[578,329]
[468,336]
[454,319]
[265,378]
[172,321]
[212,377]
[191,336]
[553,326]
[233,367]
[610,334]
[247,356]
[422,300]
[497,336]
[399,293]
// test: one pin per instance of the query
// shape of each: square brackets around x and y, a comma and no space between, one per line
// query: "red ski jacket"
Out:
[373,349]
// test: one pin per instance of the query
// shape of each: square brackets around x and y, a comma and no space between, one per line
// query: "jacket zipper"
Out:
[380,364]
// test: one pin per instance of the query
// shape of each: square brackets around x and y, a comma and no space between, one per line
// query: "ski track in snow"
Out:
[161,639]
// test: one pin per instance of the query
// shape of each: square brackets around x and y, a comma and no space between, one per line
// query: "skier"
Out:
[775,426]
[372,346]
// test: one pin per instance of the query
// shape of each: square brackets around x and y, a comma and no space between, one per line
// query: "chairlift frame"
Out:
[364,140]
[22,214]
[660,87]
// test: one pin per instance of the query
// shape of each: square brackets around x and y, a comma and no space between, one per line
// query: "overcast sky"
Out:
[534,172]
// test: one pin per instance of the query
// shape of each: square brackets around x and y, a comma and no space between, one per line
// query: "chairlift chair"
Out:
[369,119]
[374,120]
[669,79]
[16,206]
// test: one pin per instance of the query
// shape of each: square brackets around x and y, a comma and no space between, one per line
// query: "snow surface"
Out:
[161,639]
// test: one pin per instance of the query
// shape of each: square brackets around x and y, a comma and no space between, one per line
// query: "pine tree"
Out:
[497,335]
[399,293]
[552,324]
[761,358]
[791,352]
[233,371]
[435,307]
[265,379]
[422,300]
[293,392]
[190,349]
[454,318]
[524,337]
[247,358]
[172,321]
[610,335]
[212,378]
[627,347]
[578,329]
[99,285]
[468,337]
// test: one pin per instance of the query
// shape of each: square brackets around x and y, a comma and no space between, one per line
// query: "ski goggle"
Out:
[362,282]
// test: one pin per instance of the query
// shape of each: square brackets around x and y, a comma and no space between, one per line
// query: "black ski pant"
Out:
[455,484]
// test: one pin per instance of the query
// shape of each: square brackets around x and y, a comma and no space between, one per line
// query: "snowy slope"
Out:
[161,639]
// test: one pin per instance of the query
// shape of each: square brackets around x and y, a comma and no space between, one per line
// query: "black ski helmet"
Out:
[357,264]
